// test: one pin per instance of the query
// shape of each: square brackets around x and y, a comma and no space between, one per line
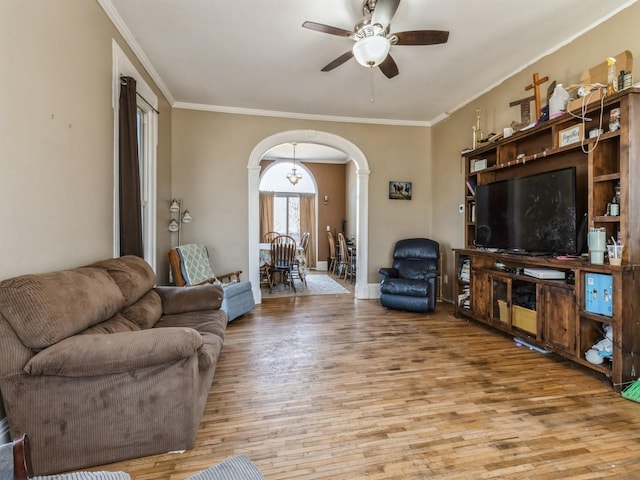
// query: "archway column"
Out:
[362,234]
[254,219]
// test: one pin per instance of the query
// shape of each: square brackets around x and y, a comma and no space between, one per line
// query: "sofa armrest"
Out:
[387,273]
[104,354]
[190,299]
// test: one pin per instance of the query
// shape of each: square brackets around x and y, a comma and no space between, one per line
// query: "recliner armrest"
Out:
[388,273]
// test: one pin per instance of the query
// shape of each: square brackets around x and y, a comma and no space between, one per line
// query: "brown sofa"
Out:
[97,365]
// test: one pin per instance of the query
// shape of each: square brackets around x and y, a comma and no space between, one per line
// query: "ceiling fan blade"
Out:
[384,11]
[320,27]
[422,37]
[389,67]
[338,61]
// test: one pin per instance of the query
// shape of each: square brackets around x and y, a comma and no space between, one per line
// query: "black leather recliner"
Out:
[411,284]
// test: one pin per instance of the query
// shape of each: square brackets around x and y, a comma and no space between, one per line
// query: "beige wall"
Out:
[454,134]
[56,136]
[56,133]
[331,180]
[211,152]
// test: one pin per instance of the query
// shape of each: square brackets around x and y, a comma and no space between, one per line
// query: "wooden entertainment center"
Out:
[561,319]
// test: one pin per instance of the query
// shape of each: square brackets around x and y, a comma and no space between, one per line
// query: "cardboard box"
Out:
[598,74]
[598,293]
[477,165]
[580,102]
[502,307]
[524,319]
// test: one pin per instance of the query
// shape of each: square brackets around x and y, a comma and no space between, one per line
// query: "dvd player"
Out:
[545,273]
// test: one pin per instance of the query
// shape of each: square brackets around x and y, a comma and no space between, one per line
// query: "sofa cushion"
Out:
[67,302]
[145,312]
[88,355]
[115,324]
[132,274]
[211,321]
[210,324]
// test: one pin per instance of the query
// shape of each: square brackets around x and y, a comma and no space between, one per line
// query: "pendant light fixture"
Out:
[293,176]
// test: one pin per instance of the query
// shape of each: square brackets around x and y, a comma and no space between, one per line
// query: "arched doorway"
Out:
[287,200]
[362,187]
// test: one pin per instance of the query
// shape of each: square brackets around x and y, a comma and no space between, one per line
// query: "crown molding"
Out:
[297,116]
[128,37]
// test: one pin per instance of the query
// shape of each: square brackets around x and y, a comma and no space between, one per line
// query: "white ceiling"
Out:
[252,56]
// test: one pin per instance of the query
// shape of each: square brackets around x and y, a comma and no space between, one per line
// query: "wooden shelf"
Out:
[607,178]
[600,164]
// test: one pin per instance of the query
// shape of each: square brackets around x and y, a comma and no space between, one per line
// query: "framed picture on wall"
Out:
[399,190]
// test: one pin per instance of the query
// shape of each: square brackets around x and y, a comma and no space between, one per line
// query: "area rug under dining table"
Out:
[317,284]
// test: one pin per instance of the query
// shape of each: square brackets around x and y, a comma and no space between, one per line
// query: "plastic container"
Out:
[558,101]
[612,77]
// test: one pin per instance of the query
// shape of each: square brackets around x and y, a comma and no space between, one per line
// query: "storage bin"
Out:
[504,313]
[524,319]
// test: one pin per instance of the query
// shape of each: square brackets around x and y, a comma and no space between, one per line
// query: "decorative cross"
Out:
[525,111]
[537,81]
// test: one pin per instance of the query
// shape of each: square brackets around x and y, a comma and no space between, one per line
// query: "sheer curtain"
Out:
[129,171]
[308,224]
[266,213]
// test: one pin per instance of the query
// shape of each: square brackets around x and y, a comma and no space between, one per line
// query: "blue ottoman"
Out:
[238,299]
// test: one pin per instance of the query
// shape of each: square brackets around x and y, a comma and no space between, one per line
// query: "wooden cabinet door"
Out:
[559,317]
[480,295]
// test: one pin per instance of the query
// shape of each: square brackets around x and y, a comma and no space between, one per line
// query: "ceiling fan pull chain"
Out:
[373,99]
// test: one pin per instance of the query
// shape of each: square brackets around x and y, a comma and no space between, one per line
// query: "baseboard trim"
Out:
[4,431]
[373,290]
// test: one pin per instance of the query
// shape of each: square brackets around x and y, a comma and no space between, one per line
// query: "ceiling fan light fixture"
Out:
[371,51]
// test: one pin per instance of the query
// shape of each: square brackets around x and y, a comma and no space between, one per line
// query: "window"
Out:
[286,214]
[142,159]
[286,197]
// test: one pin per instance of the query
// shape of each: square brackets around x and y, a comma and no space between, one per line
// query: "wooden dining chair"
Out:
[345,258]
[300,262]
[283,254]
[269,236]
[333,259]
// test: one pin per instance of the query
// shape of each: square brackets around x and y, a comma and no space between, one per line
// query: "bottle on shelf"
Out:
[615,202]
[612,77]
[614,209]
[558,101]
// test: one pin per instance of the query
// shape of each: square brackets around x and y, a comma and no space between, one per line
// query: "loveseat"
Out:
[98,366]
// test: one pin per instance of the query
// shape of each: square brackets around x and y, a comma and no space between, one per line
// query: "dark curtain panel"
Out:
[130,206]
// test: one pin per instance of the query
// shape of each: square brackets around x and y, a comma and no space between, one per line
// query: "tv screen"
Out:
[532,214]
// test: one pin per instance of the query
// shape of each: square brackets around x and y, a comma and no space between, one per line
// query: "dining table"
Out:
[265,257]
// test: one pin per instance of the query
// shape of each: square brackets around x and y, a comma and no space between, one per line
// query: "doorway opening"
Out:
[289,208]
[362,194]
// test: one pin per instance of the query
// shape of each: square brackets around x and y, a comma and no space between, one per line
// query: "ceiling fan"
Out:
[373,40]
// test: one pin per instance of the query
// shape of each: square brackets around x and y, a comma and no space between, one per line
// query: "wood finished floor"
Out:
[329,387]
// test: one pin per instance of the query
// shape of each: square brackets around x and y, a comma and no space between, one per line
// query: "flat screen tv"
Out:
[535,214]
